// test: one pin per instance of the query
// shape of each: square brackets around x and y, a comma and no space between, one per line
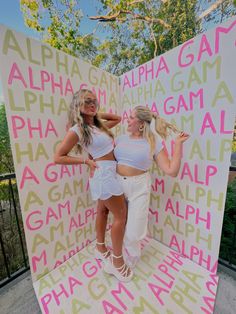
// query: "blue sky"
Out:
[12,17]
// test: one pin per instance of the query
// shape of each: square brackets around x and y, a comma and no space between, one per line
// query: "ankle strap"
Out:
[100,243]
[117,256]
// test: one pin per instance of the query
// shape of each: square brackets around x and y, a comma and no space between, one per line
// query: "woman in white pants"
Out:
[134,154]
[91,134]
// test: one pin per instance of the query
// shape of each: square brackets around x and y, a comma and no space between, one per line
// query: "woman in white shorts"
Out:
[92,135]
[134,154]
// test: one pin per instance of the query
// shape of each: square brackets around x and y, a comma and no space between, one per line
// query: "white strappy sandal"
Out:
[121,273]
[99,255]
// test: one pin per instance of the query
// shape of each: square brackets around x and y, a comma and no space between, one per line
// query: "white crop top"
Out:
[135,152]
[101,145]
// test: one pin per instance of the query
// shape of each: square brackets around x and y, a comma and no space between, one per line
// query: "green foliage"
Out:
[234,146]
[138,30]
[6,161]
[145,29]
[223,11]
[119,54]
[59,24]
[228,238]
[9,230]
[180,15]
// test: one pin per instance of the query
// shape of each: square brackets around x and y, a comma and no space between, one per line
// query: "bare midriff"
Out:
[109,156]
[127,171]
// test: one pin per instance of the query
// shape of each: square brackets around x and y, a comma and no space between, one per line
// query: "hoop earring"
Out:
[141,128]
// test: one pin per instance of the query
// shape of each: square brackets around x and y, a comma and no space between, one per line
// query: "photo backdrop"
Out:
[38,84]
[192,86]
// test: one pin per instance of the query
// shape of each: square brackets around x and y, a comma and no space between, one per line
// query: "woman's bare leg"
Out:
[101,223]
[117,205]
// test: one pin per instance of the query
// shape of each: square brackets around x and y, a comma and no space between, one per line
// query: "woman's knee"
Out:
[121,219]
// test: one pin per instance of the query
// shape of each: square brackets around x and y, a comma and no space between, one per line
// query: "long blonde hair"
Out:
[162,127]
[75,117]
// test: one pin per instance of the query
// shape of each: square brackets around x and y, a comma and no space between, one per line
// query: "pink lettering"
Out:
[36,259]
[17,126]
[220,30]
[207,123]
[156,290]
[60,293]
[210,172]
[68,88]
[189,57]
[162,66]
[110,308]
[45,300]
[36,224]
[45,78]
[222,124]
[126,83]
[116,292]
[15,74]
[204,47]
[28,175]
[91,271]
[31,80]
[73,282]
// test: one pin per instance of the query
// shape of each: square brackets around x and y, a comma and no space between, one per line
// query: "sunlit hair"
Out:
[76,117]
[162,127]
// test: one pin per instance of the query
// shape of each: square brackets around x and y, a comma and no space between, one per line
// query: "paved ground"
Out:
[19,298]
[226,294]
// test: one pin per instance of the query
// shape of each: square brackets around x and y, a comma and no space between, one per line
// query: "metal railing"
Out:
[13,257]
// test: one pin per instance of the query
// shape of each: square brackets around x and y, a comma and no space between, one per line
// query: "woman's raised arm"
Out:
[171,166]
[111,119]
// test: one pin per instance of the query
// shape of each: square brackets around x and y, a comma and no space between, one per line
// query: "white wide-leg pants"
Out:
[137,193]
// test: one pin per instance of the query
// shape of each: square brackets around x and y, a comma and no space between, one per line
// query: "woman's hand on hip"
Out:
[92,167]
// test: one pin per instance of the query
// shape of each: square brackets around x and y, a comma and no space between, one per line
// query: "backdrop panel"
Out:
[192,86]
[38,84]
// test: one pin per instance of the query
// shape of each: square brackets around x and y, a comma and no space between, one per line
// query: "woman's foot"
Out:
[101,252]
[116,266]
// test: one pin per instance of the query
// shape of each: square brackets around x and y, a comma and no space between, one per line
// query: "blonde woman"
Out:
[134,154]
[89,133]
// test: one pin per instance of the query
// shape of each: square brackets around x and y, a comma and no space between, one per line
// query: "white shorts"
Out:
[137,193]
[105,183]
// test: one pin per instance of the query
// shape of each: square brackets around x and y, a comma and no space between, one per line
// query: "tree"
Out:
[215,11]
[6,161]
[58,22]
[139,29]
[119,53]
[147,28]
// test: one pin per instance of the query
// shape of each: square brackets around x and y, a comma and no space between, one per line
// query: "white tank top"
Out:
[135,153]
[101,145]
